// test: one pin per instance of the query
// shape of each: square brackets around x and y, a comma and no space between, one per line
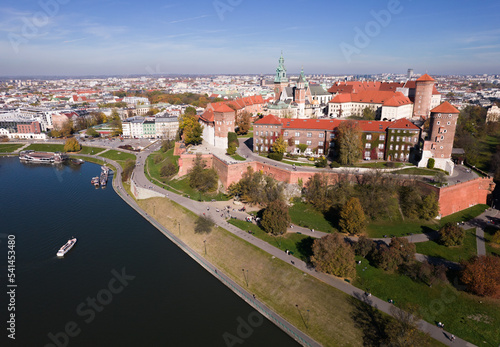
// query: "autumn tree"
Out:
[333,255]
[72,145]
[275,219]
[279,145]
[168,170]
[302,147]
[481,275]
[352,218]
[191,129]
[92,132]
[67,128]
[256,188]
[128,168]
[369,113]
[400,252]
[349,142]
[364,246]
[243,122]
[451,235]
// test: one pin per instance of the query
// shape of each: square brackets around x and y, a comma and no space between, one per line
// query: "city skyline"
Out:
[69,38]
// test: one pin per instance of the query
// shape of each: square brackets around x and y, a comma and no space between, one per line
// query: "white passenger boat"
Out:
[65,249]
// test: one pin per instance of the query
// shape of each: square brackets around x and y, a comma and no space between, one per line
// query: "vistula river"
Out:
[123,284]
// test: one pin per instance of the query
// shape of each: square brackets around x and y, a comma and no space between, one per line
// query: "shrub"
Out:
[333,255]
[451,235]
[168,170]
[232,139]
[430,163]
[275,156]
[334,164]
[496,237]
[231,149]
[321,162]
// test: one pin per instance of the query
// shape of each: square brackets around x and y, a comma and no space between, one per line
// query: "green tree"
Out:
[333,255]
[279,145]
[349,142]
[317,192]
[451,235]
[200,178]
[302,147]
[275,219]
[203,225]
[232,139]
[92,132]
[352,218]
[368,114]
[430,206]
[256,188]
[72,145]
[430,163]
[191,129]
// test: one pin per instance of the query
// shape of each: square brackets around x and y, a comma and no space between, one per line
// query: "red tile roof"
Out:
[445,107]
[269,119]
[403,123]
[222,107]
[397,100]
[426,78]
[207,116]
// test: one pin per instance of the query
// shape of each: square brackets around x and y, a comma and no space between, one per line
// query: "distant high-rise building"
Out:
[410,74]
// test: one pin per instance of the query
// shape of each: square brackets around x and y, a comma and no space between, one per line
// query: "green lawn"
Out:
[403,228]
[380,165]
[475,319]
[238,157]
[91,150]
[305,215]
[457,253]
[416,171]
[45,147]
[9,147]
[488,146]
[182,185]
[298,244]
[491,248]
[117,155]
[297,163]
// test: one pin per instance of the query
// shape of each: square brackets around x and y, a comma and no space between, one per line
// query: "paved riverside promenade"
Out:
[200,207]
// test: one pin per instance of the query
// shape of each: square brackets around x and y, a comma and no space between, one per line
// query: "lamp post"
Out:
[179,228]
[205,243]
[245,277]
[300,313]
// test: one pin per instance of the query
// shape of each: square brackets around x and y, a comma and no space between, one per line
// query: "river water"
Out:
[123,284]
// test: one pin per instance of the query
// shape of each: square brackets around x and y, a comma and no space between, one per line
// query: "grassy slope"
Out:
[470,317]
[118,155]
[9,147]
[45,147]
[456,253]
[334,319]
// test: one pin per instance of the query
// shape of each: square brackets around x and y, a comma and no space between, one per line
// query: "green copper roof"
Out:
[281,71]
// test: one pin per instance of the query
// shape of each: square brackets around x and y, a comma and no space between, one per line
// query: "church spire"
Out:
[280,70]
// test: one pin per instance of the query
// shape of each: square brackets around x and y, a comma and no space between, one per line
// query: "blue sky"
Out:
[103,37]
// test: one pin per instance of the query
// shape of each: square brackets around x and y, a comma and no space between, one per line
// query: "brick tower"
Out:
[441,135]
[280,80]
[423,96]
[300,94]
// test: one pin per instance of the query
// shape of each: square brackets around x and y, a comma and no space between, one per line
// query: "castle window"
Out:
[397,147]
[320,143]
[415,139]
[397,139]
[368,145]
[441,147]
[449,115]
[445,130]
[381,146]
[321,135]
[308,143]
[382,137]
[448,123]
[320,150]
[390,147]
[285,133]
[369,137]
[309,134]
[297,133]
[442,137]
[438,122]
[266,133]
[392,138]
[367,154]
[297,142]
[403,147]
